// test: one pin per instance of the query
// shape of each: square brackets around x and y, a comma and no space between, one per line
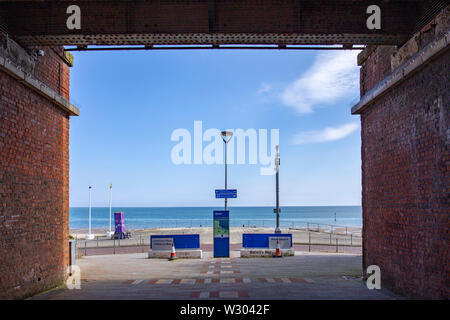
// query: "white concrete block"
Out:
[181,254]
[261,252]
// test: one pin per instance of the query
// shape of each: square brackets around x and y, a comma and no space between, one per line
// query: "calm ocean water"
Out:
[151,217]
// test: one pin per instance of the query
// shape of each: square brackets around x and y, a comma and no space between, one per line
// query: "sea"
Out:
[137,218]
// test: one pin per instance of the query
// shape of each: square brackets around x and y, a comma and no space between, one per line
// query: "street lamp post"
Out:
[277,209]
[226,137]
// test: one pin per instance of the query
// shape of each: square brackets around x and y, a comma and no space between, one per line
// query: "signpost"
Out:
[226,193]
[161,243]
[221,231]
[226,137]
[283,242]
[221,218]
[221,226]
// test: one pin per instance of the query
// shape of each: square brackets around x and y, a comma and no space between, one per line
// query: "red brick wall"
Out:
[50,70]
[34,183]
[376,67]
[406,180]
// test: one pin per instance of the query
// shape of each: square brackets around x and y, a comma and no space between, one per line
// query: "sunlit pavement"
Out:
[94,251]
[304,276]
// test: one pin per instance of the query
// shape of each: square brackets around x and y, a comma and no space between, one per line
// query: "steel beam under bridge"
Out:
[213,22]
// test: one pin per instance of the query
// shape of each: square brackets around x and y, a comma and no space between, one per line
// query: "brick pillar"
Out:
[405,123]
[34,175]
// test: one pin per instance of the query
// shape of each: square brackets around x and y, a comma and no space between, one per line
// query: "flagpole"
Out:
[110,202]
[90,205]
[110,233]
[90,236]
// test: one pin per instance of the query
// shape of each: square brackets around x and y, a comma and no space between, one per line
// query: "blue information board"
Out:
[226,193]
[221,233]
[180,241]
[261,240]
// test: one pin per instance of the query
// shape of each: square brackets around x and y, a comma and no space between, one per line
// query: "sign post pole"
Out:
[221,221]
[226,137]
[226,173]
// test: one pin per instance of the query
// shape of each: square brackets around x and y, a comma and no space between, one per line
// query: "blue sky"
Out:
[132,101]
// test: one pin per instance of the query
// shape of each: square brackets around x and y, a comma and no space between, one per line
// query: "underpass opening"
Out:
[403,185]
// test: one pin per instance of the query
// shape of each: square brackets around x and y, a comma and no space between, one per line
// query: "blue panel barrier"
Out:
[260,240]
[181,241]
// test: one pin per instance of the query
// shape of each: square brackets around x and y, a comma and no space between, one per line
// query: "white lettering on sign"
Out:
[162,243]
[260,252]
[285,242]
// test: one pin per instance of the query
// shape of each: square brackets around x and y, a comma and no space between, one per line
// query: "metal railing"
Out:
[317,237]
[253,223]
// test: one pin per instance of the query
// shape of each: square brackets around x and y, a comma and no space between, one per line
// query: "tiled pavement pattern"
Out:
[304,276]
[215,280]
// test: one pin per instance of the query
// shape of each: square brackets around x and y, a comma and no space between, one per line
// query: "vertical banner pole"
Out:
[90,203]
[110,203]
[89,236]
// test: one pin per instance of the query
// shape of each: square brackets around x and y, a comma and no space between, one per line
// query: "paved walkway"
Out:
[94,251]
[304,276]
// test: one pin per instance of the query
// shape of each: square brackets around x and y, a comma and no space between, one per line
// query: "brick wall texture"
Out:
[34,182]
[376,68]
[405,178]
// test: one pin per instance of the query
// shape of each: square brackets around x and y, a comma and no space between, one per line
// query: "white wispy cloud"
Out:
[264,88]
[333,75]
[327,134]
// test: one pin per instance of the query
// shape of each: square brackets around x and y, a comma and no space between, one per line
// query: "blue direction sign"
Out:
[228,193]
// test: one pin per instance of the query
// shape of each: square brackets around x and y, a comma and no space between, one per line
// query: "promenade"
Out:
[304,276]
[315,239]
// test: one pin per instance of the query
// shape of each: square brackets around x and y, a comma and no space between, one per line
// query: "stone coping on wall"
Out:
[36,85]
[414,64]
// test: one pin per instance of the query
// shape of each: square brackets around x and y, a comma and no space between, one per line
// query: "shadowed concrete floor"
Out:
[304,276]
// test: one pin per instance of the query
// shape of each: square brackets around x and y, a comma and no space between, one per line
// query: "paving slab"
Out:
[303,276]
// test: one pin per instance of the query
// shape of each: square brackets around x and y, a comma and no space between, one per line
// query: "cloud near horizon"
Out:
[332,76]
[327,134]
